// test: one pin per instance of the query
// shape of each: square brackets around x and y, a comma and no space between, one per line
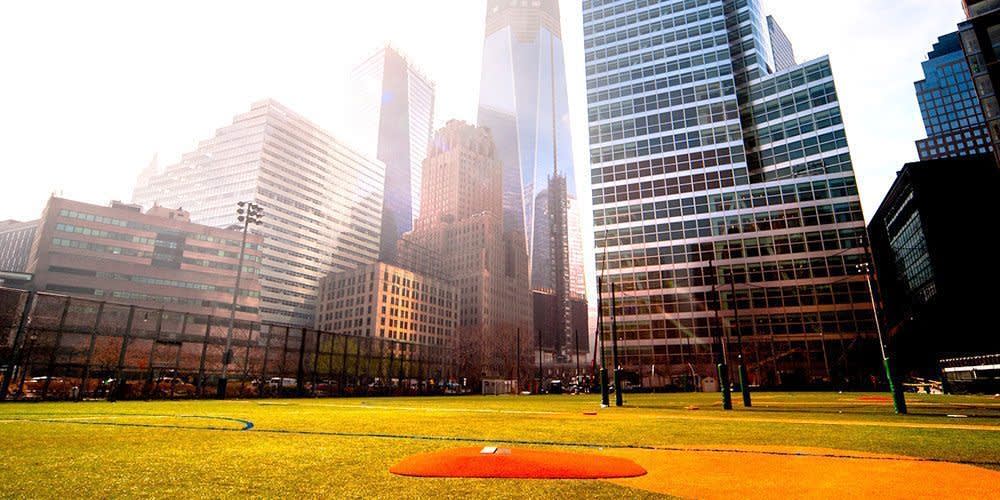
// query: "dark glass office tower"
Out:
[713,172]
[924,235]
[949,105]
[392,120]
[523,101]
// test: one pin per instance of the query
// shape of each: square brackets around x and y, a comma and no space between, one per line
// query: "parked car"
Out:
[173,387]
[284,386]
[58,388]
[131,389]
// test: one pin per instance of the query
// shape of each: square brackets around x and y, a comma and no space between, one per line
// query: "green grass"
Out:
[344,447]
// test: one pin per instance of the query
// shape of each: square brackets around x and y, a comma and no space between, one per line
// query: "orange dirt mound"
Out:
[516,463]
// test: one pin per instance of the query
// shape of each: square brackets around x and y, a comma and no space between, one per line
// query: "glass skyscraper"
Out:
[949,105]
[980,35]
[781,46]
[392,119]
[523,101]
[719,172]
[298,172]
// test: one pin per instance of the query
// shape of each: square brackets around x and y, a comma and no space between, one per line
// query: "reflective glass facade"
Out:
[923,236]
[523,101]
[980,37]
[392,118]
[781,46]
[15,244]
[949,105]
[709,167]
[909,247]
[297,172]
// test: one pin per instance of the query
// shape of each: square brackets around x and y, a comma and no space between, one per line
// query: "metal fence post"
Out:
[204,351]
[90,349]
[180,348]
[152,353]
[392,362]
[119,383]
[329,360]
[299,383]
[284,355]
[246,358]
[357,363]
[368,366]
[15,351]
[55,348]
[343,365]
[382,370]
[315,371]
[263,367]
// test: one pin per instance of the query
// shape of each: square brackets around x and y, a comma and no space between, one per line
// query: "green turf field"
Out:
[344,447]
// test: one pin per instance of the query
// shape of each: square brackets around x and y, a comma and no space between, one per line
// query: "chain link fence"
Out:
[56,347]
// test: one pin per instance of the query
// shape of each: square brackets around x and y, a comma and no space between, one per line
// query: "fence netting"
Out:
[59,347]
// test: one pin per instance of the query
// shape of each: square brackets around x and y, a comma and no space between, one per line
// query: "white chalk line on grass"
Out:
[646,414]
[810,421]
[50,418]
[438,410]
[104,419]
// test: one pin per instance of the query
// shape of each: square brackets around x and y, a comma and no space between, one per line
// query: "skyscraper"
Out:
[979,42]
[461,222]
[781,46]
[523,101]
[15,244]
[392,118]
[322,201]
[713,172]
[949,105]
[924,234]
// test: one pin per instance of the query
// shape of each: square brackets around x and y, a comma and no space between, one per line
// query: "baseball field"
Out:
[787,444]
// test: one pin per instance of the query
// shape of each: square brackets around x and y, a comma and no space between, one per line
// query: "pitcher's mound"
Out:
[516,463]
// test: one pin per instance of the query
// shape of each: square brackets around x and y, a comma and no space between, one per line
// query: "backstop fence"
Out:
[59,347]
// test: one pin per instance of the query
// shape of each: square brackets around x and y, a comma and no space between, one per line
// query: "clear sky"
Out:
[92,90]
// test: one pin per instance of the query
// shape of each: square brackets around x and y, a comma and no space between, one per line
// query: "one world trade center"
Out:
[523,101]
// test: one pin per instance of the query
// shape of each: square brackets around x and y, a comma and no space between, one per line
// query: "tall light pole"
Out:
[898,399]
[614,348]
[605,399]
[247,213]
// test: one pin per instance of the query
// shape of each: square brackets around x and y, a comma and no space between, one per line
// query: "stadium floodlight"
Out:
[898,399]
[252,214]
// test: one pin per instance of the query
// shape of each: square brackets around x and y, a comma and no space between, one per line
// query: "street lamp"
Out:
[898,400]
[247,213]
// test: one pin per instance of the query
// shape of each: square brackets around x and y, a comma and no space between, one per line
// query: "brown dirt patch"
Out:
[785,472]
